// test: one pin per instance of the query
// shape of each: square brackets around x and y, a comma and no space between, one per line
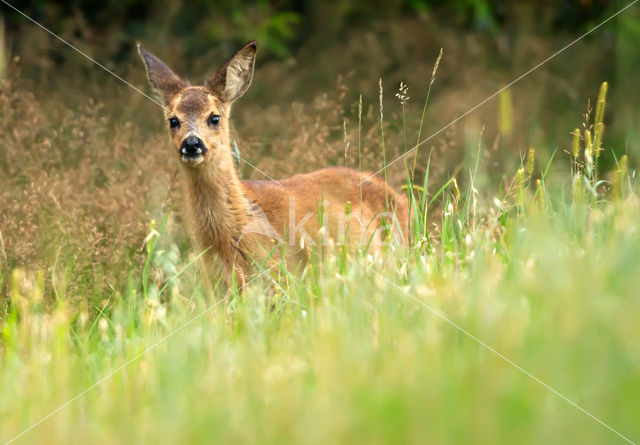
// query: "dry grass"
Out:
[74,198]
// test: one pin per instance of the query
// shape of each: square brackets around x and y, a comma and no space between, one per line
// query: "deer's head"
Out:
[198,116]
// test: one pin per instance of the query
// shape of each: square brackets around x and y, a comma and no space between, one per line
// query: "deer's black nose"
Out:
[192,146]
[192,141]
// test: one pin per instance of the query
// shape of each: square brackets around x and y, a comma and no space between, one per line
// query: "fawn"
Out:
[244,220]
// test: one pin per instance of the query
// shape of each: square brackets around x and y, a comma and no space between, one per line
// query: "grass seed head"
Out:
[598,131]
[402,93]
[531,161]
[576,144]
[435,67]
[602,101]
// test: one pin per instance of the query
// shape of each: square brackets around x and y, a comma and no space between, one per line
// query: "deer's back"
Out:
[328,195]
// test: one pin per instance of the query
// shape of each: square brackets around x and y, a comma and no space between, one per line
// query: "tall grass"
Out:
[349,348]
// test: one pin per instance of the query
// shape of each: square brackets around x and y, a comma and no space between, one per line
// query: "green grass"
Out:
[349,351]
[356,348]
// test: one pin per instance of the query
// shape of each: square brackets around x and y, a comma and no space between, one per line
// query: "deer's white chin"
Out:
[192,161]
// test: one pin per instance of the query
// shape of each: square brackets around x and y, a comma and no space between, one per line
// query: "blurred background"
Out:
[85,162]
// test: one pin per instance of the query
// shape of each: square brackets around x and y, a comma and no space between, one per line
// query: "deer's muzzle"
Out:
[192,147]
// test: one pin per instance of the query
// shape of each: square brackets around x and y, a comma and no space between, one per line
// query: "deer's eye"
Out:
[174,122]
[214,120]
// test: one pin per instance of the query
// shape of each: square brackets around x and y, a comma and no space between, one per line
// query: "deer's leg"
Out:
[210,269]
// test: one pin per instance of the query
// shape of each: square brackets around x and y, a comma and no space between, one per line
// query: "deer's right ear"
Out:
[161,77]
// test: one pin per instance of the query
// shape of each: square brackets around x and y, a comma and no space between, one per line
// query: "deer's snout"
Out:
[192,146]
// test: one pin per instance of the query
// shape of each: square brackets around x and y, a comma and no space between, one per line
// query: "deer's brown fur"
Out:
[241,220]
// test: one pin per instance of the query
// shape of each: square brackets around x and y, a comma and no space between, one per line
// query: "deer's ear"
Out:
[234,76]
[161,77]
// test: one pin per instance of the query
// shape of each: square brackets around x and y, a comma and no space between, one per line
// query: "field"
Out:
[512,316]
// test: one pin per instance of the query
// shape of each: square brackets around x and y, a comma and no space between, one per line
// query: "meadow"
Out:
[512,316]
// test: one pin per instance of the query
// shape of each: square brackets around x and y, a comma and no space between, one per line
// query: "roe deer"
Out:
[241,220]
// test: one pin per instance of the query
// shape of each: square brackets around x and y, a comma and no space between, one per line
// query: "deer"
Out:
[242,222]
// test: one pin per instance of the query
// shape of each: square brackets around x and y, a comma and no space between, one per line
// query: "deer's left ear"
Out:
[234,76]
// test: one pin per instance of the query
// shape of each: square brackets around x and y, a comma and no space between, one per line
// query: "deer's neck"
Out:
[219,208]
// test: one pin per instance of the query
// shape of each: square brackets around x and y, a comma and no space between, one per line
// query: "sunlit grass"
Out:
[343,354]
[351,348]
